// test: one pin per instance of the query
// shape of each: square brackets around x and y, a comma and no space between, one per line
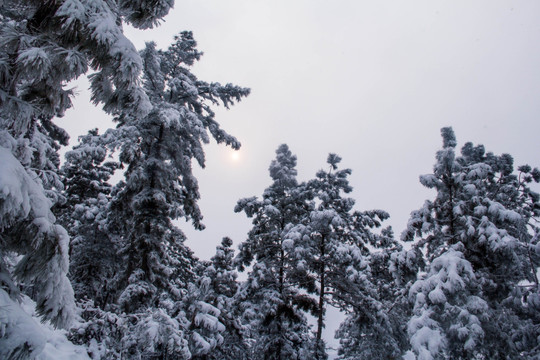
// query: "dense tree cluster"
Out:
[107,262]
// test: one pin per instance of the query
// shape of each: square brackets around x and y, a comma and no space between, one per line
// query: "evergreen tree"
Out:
[216,330]
[223,275]
[271,299]
[477,248]
[159,185]
[93,252]
[331,248]
[382,334]
[44,45]
[33,257]
[152,281]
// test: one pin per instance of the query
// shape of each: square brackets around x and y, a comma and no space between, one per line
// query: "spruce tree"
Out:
[382,333]
[331,249]
[160,186]
[93,250]
[477,246]
[223,275]
[272,302]
[44,45]
[152,280]
[211,305]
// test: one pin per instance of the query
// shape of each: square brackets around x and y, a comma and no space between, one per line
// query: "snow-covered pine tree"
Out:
[43,46]
[211,307]
[31,94]
[477,249]
[510,277]
[272,303]
[448,310]
[48,43]
[93,251]
[330,248]
[33,256]
[382,334]
[159,186]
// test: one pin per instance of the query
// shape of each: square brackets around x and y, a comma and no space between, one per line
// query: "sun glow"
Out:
[235,156]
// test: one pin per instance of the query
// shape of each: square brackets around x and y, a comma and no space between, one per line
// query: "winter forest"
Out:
[95,268]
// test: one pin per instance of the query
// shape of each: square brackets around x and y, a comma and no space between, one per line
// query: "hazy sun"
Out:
[235,156]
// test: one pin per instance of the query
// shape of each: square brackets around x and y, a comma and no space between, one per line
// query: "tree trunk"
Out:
[320,319]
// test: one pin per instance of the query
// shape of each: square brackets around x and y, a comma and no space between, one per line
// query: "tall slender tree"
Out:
[211,303]
[93,251]
[159,185]
[331,248]
[272,301]
[158,149]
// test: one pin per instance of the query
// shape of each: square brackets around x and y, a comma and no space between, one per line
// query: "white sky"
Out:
[373,81]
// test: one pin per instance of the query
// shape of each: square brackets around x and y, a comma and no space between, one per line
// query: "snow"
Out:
[201,343]
[37,59]
[58,347]
[437,296]
[470,189]
[104,28]
[425,337]
[188,86]
[209,322]
[429,342]
[71,9]
[288,244]
[479,171]
[18,331]
[169,116]
[207,308]
[19,324]
[429,180]
[20,195]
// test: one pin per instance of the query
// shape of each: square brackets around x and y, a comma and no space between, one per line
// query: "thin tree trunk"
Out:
[280,318]
[320,319]
[281,284]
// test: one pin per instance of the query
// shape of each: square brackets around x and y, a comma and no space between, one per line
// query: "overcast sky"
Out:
[373,81]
